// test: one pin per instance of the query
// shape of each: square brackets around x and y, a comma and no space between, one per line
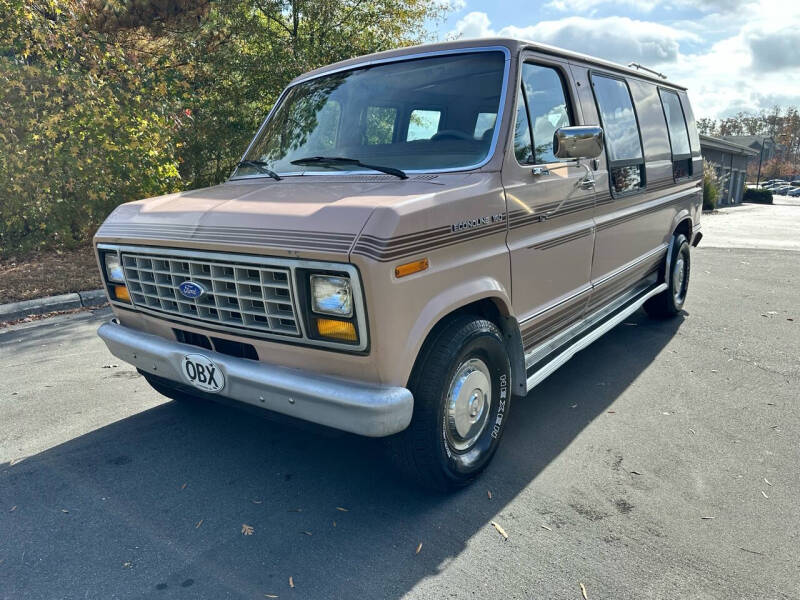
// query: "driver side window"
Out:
[547,108]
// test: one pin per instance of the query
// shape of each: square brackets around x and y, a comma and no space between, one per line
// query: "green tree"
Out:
[107,101]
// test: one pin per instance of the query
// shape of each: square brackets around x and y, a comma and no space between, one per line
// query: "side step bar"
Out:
[582,342]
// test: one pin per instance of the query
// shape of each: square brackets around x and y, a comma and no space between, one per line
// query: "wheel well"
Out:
[685,227]
[494,310]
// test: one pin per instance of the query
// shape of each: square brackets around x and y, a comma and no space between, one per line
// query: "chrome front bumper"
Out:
[357,407]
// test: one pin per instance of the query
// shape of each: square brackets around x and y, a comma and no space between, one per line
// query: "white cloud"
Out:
[747,60]
[590,5]
[619,39]
[645,5]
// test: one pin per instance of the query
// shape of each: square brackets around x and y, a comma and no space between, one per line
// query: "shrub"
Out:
[710,187]
[760,196]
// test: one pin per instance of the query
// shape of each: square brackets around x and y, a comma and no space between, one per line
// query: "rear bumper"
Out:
[357,407]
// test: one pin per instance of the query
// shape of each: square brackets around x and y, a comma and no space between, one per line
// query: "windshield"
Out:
[434,113]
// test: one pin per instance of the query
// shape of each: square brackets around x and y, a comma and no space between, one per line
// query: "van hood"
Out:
[313,217]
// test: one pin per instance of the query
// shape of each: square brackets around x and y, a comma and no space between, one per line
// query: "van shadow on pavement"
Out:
[107,514]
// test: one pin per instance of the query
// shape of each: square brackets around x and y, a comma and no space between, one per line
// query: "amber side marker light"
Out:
[339,330]
[411,268]
[121,293]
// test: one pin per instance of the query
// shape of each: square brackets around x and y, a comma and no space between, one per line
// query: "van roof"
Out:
[514,46]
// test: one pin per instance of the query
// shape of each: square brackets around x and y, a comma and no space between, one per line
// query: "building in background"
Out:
[730,161]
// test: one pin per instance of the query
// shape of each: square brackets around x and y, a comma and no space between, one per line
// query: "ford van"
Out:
[412,241]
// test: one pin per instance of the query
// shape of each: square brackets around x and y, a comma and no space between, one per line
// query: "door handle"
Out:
[587,183]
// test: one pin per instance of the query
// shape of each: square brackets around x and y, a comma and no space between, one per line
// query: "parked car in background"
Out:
[412,240]
[794,192]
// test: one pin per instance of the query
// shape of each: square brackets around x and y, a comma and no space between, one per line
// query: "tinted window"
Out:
[374,122]
[379,127]
[522,133]
[547,107]
[618,119]
[423,124]
[484,123]
[678,134]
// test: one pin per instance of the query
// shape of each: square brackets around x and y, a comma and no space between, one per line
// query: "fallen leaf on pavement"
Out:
[635,473]
[64,510]
[127,565]
[13,508]
[546,527]
[500,530]
[489,494]
[270,596]
[247,529]
[418,548]
[183,487]
[308,533]
[706,518]
[767,481]
[291,582]
[334,523]
[342,509]
[763,493]
[583,592]
[197,525]
[256,501]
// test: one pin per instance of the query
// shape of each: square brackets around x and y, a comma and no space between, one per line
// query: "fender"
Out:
[454,298]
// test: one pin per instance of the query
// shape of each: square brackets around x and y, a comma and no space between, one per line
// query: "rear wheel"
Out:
[670,302]
[461,386]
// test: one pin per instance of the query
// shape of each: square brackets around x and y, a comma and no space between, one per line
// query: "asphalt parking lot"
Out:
[661,462]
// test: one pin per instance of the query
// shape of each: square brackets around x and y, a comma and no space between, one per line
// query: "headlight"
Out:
[114,267]
[331,295]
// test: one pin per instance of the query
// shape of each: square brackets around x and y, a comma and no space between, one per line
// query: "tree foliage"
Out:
[782,125]
[106,101]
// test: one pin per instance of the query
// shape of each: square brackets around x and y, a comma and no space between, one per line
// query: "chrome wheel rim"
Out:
[679,280]
[469,401]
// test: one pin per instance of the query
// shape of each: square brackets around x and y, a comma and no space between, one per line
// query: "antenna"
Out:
[643,68]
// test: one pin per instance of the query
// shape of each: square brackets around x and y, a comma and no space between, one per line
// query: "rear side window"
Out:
[423,124]
[678,134]
[621,129]
[545,100]
[380,124]
[484,125]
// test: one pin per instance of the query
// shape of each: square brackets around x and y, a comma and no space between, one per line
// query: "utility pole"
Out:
[760,159]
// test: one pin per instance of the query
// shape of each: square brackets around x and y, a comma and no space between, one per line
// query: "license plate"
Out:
[202,373]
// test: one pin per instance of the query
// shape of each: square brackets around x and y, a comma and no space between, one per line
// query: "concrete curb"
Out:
[19,310]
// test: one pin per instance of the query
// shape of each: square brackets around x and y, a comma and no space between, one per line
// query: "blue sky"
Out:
[733,55]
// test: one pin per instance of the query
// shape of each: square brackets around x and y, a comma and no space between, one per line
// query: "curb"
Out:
[19,310]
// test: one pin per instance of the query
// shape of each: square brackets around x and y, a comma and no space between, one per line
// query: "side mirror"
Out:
[582,141]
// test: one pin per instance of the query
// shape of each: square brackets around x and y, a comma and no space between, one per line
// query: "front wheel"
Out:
[670,302]
[461,385]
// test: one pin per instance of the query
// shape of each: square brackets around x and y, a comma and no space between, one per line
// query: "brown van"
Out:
[412,240]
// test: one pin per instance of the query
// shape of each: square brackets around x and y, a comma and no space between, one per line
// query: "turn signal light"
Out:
[121,293]
[411,268]
[339,330]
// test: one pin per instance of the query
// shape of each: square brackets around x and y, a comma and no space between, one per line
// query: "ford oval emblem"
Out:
[192,290]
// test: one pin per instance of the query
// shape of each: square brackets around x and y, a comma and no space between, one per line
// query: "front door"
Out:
[551,232]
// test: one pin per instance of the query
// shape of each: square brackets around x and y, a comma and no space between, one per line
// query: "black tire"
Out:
[173,391]
[670,302]
[427,451]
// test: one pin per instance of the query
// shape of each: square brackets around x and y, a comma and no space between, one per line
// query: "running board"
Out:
[582,342]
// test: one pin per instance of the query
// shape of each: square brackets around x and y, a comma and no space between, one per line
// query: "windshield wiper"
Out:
[339,160]
[259,166]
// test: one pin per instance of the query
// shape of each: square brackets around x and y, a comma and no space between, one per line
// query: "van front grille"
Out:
[249,296]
